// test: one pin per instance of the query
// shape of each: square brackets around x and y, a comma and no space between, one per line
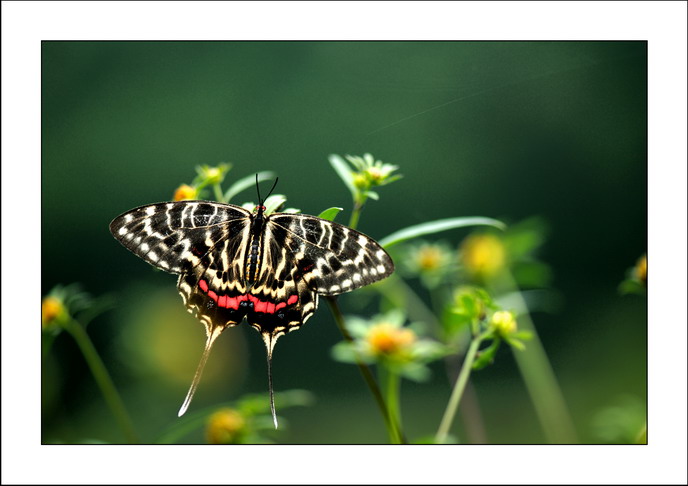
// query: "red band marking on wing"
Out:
[232,303]
[228,302]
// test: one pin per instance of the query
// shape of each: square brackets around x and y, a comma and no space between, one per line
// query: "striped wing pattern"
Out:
[235,264]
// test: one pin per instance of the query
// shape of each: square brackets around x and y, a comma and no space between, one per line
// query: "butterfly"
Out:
[235,264]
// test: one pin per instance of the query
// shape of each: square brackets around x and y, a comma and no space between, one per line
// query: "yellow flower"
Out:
[430,257]
[52,309]
[185,192]
[387,340]
[375,174]
[483,255]
[226,426]
[503,322]
[208,175]
[214,175]
[640,270]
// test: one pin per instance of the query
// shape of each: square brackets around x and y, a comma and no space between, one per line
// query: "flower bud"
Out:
[226,426]
[503,322]
[52,309]
[185,192]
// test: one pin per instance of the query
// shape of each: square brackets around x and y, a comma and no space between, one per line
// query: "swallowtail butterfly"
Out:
[235,264]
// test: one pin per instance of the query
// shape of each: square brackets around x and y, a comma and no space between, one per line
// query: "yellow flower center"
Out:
[185,192]
[429,258]
[388,340]
[225,426]
[374,174]
[51,308]
[483,255]
[503,322]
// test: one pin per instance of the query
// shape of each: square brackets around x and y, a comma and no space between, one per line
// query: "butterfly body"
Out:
[234,264]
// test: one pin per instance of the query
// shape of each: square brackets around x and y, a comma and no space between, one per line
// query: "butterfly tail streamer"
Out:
[212,336]
[270,341]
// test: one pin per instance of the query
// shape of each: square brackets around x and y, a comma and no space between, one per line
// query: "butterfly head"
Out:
[259,209]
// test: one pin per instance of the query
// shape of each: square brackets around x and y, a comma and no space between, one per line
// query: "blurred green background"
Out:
[507,130]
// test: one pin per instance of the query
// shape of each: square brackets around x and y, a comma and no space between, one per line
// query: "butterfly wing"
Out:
[331,258]
[283,300]
[202,241]
[174,236]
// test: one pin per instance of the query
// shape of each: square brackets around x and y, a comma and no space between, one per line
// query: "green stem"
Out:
[103,379]
[457,392]
[391,382]
[219,196]
[359,201]
[396,436]
[540,380]
[355,215]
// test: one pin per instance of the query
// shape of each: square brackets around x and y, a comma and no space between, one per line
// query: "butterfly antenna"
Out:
[260,200]
[273,187]
[216,331]
[270,341]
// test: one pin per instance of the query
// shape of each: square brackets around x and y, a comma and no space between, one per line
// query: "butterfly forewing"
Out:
[173,236]
[332,258]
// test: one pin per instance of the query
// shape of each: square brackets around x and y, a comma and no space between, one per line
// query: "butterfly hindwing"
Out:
[211,290]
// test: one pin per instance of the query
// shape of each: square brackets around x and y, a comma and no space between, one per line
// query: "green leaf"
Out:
[515,343]
[532,274]
[525,237]
[470,307]
[486,356]
[631,286]
[342,169]
[183,426]
[259,403]
[415,372]
[523,335]
[437,226]
[347,353]
[330,213]
[246,182]
[274,203]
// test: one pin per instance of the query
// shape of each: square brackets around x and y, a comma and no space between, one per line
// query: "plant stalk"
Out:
[103,379]
[391,382]
[218,193]
[457,392]
[355,215]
